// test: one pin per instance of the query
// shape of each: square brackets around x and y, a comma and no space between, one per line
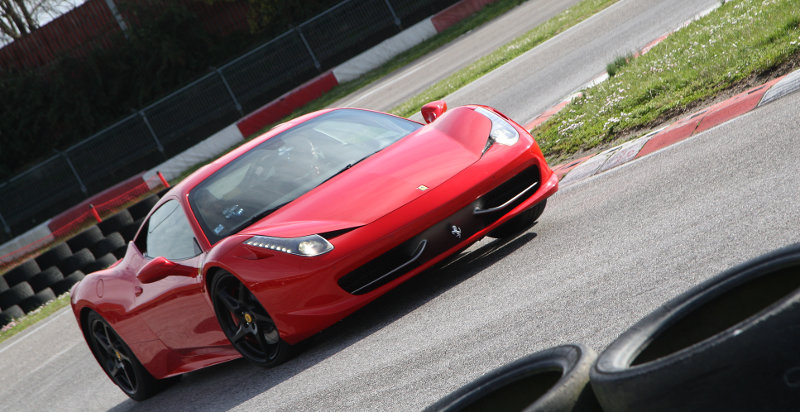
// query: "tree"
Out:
[18,18]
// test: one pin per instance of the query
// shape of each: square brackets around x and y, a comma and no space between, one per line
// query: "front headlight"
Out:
[313,245]
[502,131]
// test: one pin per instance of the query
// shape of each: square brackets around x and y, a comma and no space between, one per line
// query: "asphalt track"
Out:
[606,251]
[386,93]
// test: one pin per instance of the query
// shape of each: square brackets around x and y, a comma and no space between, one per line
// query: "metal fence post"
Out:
[394,15]
[230,92]
[308,47]
[120,21]
[152,132]
[5,226]
[75,173]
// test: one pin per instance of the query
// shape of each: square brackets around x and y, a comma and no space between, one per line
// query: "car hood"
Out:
[386,180]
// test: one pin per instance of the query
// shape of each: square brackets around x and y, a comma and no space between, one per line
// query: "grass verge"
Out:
[504,54]
[742,40]
[18,325]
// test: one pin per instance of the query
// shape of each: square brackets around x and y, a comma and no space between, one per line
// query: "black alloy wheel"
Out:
[118,361]
[246,323]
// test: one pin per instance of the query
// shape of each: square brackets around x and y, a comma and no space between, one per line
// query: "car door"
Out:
[173,303]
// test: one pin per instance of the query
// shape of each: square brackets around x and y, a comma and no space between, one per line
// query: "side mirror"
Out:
[161,267]
[433,110]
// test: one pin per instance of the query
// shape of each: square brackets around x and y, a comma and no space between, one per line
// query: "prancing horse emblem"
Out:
[455,231]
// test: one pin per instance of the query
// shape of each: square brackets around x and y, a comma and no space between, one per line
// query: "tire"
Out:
[9,314]
[100,263]
[46,278]
[129,231]
[246,323]
[85,239]
[63,285]
[729,343]
[78,261]
[143,207]
[118,361]
[34,302]
[108,244]
[119,253]
[56,254]
[555,379]
[115,222]
[3,284]
[22,273]
[15,295]
[520,223]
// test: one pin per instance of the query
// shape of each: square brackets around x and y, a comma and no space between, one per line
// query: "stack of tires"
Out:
[728,344]
[37,281]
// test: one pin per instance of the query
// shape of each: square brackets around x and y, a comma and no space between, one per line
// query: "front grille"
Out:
[512,187]
[440,237]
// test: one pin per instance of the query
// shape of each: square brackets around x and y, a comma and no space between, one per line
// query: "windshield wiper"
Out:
[344,169]
[257,217]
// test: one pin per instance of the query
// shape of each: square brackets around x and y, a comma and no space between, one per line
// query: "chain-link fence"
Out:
[185,117]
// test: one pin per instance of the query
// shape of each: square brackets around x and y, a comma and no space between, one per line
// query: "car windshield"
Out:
[288,165]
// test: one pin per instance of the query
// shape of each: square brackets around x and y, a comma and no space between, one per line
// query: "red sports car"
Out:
[293,231]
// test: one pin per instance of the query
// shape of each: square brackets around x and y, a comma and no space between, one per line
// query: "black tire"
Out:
[56,254]
[63,285]
[143,207]
[46,278]
[78,261]
[100,263]
[246,323]
[15,295]
[116,222]
[555,379]
[9,314]
[3,284]
[129,231]
[85,239]
[729,343]
[108,244]
[119,253]
[22,273]
[118,361]
[520,223]
[40,298]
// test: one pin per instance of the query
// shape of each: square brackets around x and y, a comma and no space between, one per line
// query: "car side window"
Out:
[169,234]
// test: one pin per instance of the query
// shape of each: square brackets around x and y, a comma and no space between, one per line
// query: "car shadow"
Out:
[228,385]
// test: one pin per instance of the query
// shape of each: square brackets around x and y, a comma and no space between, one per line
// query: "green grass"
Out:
[618,63]
[24,322]
[504,54]
[741,39]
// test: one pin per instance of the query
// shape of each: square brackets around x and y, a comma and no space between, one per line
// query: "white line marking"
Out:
[38,328]
[52,358]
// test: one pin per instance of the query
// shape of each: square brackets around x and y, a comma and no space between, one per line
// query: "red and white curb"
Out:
[691,125]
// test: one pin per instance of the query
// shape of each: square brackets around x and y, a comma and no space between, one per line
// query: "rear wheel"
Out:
[246,323]
[520,223]
[118,361]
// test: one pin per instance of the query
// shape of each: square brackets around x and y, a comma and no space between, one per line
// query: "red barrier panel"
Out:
[103,202]
[286,104]
[457,12]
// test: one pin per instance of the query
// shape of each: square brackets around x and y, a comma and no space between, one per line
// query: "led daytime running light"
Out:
[308,246]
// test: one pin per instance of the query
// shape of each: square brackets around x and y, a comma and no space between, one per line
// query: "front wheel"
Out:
[519,223]
[118,361]
[246,323]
